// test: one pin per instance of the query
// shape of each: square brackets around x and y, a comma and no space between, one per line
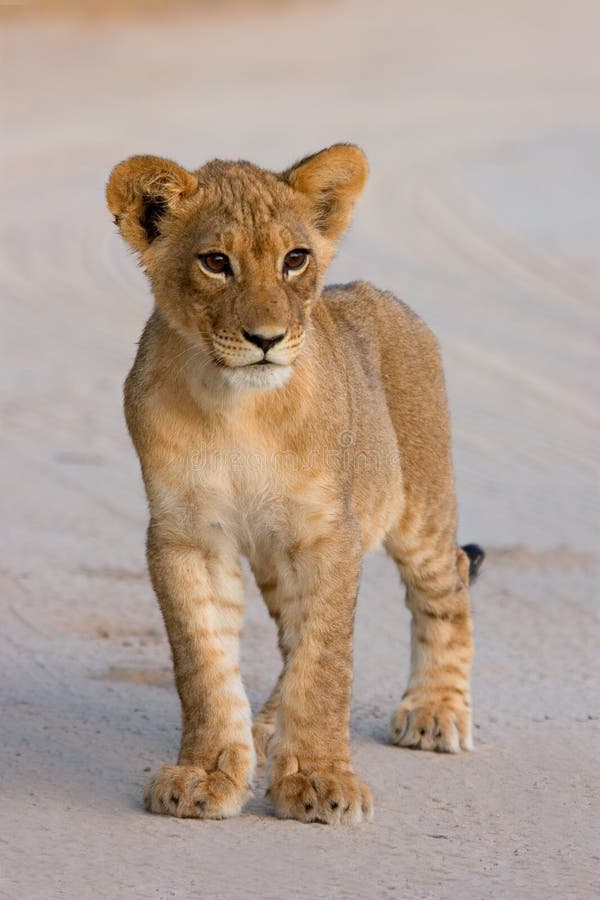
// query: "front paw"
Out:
[193,792]
[321,795]
[432,723]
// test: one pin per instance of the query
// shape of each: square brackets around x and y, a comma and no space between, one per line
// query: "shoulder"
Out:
[360,303]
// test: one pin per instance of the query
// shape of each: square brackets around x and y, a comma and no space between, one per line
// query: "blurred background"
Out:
[481,122]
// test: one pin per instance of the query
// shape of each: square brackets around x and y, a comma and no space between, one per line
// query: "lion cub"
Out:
[299,427]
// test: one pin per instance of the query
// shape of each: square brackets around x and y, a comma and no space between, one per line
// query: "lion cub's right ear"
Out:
[141,190]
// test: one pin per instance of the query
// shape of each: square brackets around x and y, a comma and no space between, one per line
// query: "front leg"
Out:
[309,769]
[199,589]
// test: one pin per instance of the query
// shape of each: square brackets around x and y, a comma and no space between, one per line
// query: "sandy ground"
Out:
[481,123]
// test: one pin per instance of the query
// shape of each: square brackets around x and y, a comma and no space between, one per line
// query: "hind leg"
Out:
[263,727]
[435,713]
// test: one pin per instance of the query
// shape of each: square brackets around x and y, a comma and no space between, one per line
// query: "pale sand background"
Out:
[483,211]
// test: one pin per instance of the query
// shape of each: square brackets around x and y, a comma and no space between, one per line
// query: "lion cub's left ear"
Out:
[333,180]
[141,191]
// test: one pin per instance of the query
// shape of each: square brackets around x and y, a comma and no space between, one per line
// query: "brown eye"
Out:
[215,263]
[295,259]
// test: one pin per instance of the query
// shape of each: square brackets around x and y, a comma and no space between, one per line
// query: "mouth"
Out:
[261,375]
[222,364]
[261,362]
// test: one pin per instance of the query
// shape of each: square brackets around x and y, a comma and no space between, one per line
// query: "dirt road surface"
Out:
[481,125]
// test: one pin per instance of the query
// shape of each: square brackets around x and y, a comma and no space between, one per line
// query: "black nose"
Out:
[265,343]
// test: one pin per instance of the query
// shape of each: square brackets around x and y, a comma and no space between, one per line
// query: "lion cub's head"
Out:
[236,255]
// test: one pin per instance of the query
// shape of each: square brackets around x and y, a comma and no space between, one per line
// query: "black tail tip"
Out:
[476,556]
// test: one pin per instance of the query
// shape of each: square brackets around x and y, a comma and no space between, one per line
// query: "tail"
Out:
[476,556]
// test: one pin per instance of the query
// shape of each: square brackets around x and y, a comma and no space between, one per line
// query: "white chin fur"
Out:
[262,378]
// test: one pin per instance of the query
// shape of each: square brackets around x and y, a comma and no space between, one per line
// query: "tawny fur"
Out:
[339,444]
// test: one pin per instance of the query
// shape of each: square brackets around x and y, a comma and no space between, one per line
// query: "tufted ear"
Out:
[140,191]
[333,180]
